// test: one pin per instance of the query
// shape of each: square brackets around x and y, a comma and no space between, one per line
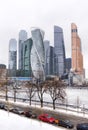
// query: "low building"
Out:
[3,73]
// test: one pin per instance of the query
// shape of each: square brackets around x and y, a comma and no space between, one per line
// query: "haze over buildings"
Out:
[37,58]
[24,14]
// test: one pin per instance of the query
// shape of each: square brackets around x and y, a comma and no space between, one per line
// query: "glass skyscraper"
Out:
[38,54]
[27,72]
[68,64]
[12,57]
[47,55]
[22,38]
[59,52]
[49,58]
[51,61]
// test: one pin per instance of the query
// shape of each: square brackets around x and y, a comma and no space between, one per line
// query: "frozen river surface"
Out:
[74,96]
[79,96]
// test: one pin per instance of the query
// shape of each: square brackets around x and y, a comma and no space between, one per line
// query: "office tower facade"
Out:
[68,64]
[49,58]
[27,72]
[59,52]
[77,57]
[47,55]
[51,61]
[38,54]
[3,73]
[12,57]
[22,38]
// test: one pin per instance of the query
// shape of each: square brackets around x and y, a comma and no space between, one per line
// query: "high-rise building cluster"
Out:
[36,57]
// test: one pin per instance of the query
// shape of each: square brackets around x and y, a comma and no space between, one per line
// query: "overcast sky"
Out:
[16,15]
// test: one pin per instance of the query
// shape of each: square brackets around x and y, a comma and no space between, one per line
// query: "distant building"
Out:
[47,55]
[22,38]
[51,61]
[59,50]
[27,72]
[38,54]
[49,58]
[12,57]
[3,73]
[77,57]
[68,64]
[77,71]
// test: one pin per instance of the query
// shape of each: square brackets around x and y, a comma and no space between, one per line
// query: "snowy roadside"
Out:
[10,121]
[71,112]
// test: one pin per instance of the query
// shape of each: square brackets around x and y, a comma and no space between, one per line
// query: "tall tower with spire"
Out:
[77,57]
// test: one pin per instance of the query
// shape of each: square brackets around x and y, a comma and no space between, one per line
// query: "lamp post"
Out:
[6,87]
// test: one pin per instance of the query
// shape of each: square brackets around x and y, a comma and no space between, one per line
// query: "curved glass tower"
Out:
[38,54]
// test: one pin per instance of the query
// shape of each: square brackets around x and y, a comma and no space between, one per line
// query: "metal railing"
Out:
[64,106]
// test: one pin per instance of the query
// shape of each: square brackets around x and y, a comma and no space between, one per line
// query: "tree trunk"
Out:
[15,96]
[30,101]
[6,94]
[53,104]
[41,103]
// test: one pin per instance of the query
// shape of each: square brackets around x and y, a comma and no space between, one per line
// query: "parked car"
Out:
[8,108]
[34,115]
[56,121]
[30,114]
[2,105]
[83,126]
[66,124]
[46,118]
[18,110]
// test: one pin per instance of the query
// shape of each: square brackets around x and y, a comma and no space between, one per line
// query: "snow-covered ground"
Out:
[10,121]
[77,95]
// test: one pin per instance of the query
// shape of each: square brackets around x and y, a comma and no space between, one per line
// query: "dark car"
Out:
[30,114]
[65,123]
[46,118]
[18,111]
[2,105]
[83,126]
[34,115]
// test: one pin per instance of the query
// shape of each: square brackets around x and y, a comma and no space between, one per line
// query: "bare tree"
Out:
[31,89]
[41,89]
[56,90]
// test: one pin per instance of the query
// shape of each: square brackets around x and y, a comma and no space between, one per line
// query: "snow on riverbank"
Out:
[10,121]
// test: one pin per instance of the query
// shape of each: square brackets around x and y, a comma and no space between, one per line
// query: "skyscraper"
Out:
[27,72]
[22,38]
[12,57]
[77,57]
[59,50]
[37,54]
[49,58]
[51,61]
[47,55]
[68,64]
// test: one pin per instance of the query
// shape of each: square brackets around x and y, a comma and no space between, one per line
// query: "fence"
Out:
[50,104]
